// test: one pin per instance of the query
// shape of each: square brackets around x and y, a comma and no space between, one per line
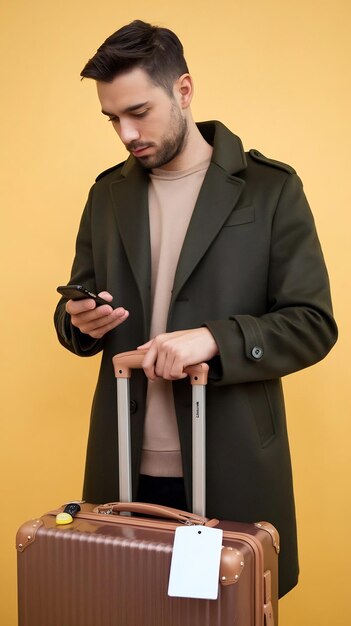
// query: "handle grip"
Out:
[155,510]
[124,362]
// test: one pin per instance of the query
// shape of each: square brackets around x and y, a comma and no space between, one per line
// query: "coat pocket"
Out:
[258,396]
[241,216]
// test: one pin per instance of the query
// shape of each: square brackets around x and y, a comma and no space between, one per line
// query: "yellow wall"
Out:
[278,74]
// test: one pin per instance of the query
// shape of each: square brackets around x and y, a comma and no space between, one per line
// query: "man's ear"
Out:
[183,90]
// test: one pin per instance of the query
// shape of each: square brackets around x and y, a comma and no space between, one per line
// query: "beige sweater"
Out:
[172,197]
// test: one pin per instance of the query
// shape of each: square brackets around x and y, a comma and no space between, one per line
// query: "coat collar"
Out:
[217,199]
[228,151]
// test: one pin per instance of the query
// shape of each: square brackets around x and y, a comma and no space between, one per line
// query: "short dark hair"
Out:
[156,50]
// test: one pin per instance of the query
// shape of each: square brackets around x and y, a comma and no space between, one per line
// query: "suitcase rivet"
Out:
[259,525]
[29,537]
[230,548]
[242,563]
[224,578]
[237,553]
[236,576]
[20,545]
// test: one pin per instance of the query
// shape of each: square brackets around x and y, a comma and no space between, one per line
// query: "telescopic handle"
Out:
[124,363]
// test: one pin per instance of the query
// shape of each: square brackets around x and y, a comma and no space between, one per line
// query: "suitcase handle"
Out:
[155,510]
[123,363]
[126,361]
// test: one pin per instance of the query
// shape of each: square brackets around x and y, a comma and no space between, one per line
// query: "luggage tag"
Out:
[195,562]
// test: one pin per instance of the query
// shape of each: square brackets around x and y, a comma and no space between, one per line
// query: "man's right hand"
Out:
[94,320]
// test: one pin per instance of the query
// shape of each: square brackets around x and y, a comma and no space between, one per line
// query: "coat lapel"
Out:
[130,197]
[218,197]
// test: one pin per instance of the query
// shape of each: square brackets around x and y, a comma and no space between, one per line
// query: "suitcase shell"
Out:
[110,569]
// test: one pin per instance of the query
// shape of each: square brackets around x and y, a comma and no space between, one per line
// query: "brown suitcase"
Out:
[110,569]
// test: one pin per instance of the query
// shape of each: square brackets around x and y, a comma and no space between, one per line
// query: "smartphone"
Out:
[79,292]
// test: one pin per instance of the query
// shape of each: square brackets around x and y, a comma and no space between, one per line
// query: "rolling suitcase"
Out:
[110,567]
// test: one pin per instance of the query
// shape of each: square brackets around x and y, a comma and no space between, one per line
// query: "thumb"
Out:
[145,346]
[106,296]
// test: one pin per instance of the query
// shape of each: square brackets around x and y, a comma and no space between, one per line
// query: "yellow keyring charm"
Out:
[64,518]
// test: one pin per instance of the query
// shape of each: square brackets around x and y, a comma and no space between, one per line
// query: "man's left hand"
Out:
[168,354]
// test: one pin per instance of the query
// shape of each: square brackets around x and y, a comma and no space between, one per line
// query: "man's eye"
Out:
[141,114]
[112,118]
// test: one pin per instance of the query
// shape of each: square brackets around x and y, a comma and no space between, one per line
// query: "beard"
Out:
[171,144]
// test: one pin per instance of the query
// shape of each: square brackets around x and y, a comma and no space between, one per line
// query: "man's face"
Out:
[149,122]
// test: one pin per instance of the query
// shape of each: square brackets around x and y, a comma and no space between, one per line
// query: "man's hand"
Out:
[168,354]
[94,320]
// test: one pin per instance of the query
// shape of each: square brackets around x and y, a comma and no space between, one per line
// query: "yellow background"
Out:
[277,73]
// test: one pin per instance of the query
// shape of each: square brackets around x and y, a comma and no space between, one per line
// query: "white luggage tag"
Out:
[195,562]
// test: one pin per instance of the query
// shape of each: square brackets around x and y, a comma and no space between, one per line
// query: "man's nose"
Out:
[128,132]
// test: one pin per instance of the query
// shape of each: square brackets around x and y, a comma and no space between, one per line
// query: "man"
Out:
[211,255]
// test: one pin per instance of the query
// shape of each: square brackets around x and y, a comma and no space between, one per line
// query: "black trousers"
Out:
[162,490]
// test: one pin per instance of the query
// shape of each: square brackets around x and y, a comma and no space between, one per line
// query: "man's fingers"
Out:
[75,307]
[149,360]
[163,359]
[92,316]
[170,353]
[106,296]
[100,332]
[97,321]
[172,365]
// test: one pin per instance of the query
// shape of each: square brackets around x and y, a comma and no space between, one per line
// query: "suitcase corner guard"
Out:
[26,534]
[269,528]
[231,566]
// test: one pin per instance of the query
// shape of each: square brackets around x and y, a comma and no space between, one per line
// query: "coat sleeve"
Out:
[298,329]
[82,273]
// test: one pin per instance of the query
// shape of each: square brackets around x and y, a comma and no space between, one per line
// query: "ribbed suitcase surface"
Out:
[114,572]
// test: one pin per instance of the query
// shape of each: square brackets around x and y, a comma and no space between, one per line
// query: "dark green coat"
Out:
[251,269]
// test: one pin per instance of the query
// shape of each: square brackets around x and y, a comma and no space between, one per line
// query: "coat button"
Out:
[133,406]
[257,352]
